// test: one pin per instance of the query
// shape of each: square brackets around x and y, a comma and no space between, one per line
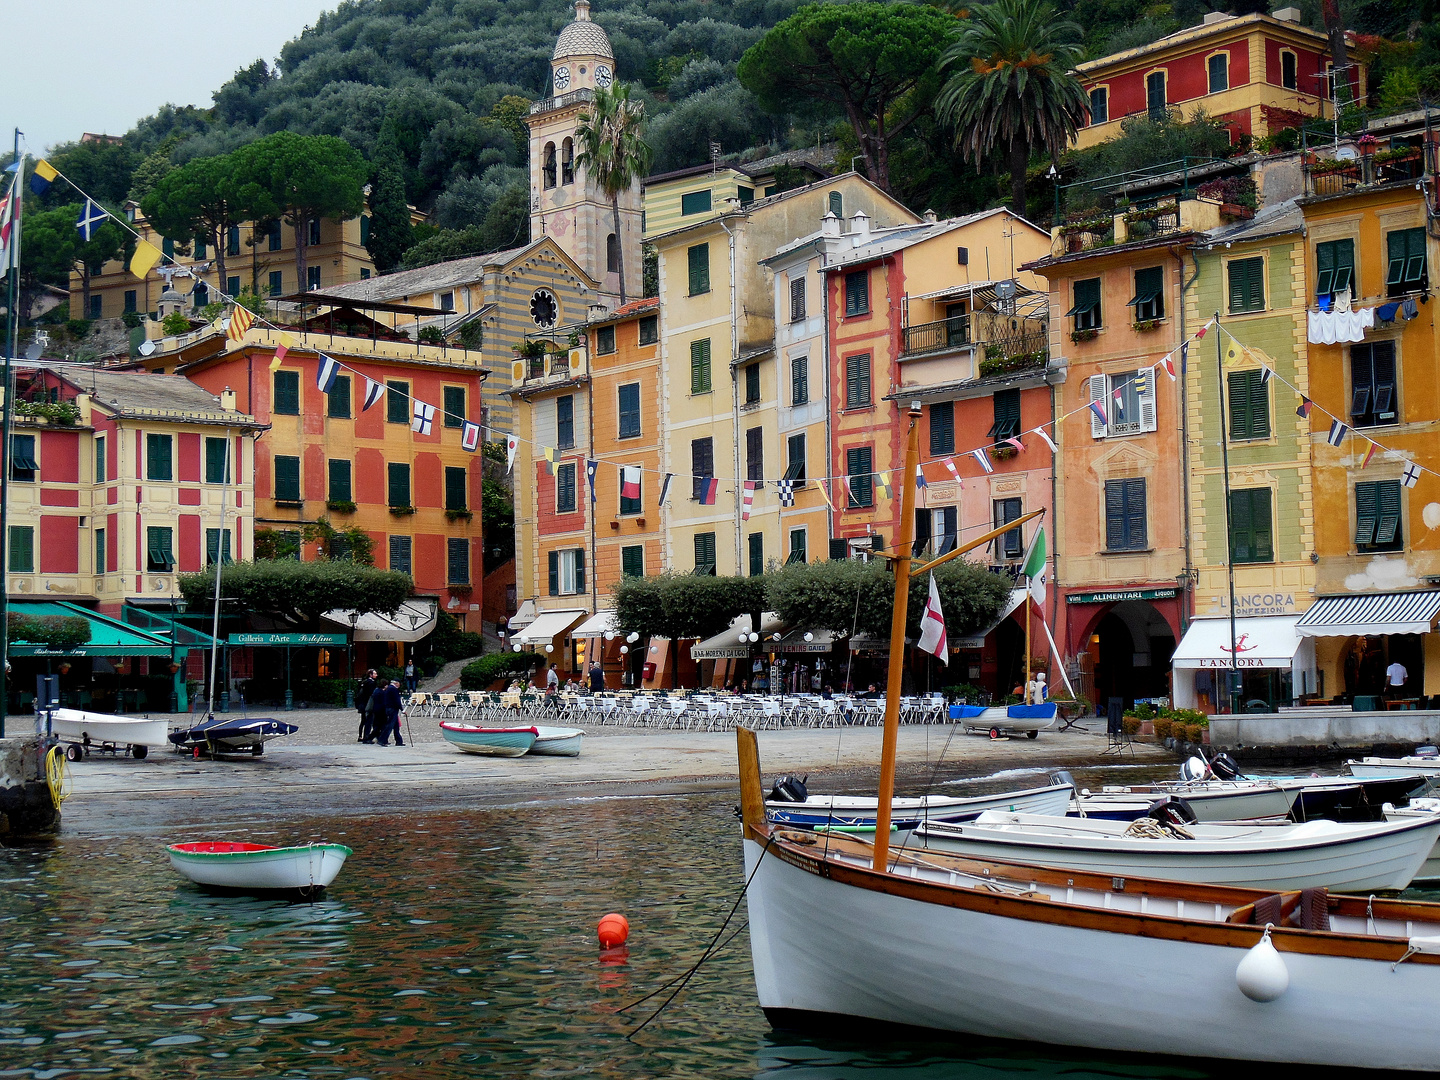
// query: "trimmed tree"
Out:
[1012,86]
[612,152]
[301,592]
[874,62]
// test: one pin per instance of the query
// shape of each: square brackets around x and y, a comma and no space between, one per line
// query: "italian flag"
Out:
[1034,569]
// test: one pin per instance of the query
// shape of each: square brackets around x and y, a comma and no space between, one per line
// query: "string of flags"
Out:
[707,488]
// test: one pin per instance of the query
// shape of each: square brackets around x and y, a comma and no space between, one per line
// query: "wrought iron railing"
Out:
[950,333]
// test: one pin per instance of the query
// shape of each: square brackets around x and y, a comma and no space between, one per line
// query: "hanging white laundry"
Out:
[1342,300]
[1319,328]
[1367,319]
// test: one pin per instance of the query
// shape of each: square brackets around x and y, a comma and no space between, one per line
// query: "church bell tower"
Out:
[564,204]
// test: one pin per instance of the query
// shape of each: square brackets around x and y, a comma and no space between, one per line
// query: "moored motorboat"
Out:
[557,741]
[258,867]
[84,732]
[1412,765]
[1007,951]
[1429,873]
[231,735]
[494,741]
[1210,800]
[1356,857]
[849,811]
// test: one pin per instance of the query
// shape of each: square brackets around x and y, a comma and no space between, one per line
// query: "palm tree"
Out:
[1012,85]
[612,152]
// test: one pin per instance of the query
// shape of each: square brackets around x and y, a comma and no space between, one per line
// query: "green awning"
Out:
[108,637]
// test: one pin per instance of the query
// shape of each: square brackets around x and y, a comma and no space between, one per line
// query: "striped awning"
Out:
[1371,613]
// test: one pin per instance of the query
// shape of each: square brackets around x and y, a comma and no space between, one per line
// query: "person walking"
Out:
[392,704]
[410,676]
[364,702]
[1395,678]
[597,678]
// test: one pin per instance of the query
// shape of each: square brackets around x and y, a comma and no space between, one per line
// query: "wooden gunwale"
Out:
[783,845]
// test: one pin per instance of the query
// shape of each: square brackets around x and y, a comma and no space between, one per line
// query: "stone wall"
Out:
[26,809]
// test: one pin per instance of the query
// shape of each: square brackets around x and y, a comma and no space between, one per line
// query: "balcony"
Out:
[542,362]
[1335,176]
[936,336]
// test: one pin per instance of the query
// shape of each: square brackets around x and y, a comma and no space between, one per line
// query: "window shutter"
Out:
[1324,268]
[857,292]
[1115,515]
[700,366]
[799,379]
[699,266]
[554,573]
[1344,264]
[1097,393]
[399,484]
[455,485]
[1366,509]
[1240,417]
[1146,397]
[754,454]
[1135,514]
[287,478]
[942,427]
[1241,527]
[1260,523]
[1259,408]
[1383,360]
[797,299]
[757,554]
[632,561]
[579,570]
[1388,524]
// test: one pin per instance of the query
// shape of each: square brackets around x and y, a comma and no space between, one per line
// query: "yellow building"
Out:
[721,386]
[686,196]
[260,259]
[1369,243]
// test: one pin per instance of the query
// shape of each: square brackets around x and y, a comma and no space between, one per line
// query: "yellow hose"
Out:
[57,775]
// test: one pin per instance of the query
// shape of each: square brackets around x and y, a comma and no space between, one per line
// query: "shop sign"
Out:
[1120,595]
[1239,662]
[286,639]
[1265,604]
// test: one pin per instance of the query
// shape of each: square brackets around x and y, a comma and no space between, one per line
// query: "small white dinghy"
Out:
[557,741]
[84,732]
[307,868]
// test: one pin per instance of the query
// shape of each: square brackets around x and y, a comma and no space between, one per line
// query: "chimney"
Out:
[830,224]
[930,217]
[227,399]
[860,228]
[1288,14]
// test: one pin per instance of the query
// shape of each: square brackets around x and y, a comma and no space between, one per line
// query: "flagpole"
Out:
[1234,687]
[12,332]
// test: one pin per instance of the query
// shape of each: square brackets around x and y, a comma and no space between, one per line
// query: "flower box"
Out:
[340,506]
[1078,336]
[1144,326]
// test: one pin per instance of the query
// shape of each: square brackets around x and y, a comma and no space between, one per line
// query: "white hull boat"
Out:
[1211,801]
[87,731]
[1357,857]
[1378,767]
[557,741]
[259,867]
[1063,957]
[1429,872]
[847,811]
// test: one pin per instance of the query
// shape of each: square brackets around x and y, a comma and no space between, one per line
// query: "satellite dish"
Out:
[146,348]
[34,350]
[1005,290]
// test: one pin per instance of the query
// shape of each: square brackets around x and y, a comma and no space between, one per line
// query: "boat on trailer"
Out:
[998,720]
[858,811]
[304,868]
[227,735]
[86,732]
[1008,951]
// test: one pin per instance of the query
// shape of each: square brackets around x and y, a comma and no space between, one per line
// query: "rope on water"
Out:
[680,981]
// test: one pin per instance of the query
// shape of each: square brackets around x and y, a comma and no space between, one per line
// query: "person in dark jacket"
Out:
[392,703]
[363,698]
[597,678]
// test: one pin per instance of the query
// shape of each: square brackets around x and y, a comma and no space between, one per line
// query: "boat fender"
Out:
[1225,768]
[1172,810]
[1262,975]
[1062,776]
[789,789]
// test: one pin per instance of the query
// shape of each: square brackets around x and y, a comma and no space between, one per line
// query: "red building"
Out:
[1258,73]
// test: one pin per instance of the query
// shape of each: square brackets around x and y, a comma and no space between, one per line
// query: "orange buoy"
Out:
[613,930]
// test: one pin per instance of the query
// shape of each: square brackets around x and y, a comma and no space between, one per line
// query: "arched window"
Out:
[567,162]
[612,255]
[548,168]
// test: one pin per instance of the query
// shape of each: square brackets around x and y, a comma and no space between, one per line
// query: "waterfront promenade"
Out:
[323,770]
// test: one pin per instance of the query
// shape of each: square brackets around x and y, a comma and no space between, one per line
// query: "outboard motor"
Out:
[1062,776]
[1224,767]
[789,789]
[1194,768]
[1171,810]
[1427,752]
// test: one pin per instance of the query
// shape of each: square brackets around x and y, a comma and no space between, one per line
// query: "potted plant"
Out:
[1003,452]
[1144,326]
[1078,336]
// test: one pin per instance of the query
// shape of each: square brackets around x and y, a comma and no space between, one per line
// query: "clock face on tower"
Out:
[562,77]
[544,308]
[603,74]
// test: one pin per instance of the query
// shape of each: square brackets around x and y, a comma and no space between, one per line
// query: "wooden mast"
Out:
[901,566]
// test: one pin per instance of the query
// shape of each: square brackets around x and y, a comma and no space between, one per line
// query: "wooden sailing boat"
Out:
[842,931]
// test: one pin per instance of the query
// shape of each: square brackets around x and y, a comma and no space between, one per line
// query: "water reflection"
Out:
[453,944]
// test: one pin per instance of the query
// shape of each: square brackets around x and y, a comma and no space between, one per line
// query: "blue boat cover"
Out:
[966,712]
[1032,712]
[231,728]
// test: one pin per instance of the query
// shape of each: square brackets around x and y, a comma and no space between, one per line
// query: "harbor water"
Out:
[454,944]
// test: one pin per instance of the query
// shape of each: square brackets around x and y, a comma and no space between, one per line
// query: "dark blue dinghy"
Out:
[227,735]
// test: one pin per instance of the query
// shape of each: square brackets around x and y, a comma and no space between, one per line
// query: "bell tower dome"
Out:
[564,204]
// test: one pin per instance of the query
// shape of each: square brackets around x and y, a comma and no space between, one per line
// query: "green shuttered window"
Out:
[398,484]
[160,554]
[456,488]
[1251,530]
[1125,515]
[397,402]
[1249,406]
[632,561]
[340,489]
[457,561]
[287,479]
[700,366]
[1405,262]
[1086,310]
[454,406]
[1377,516]
[857,381]
[22,549]
[942,427]
[1247,284]
[629,404]
[699,259]
[157,457]
[858,468]
[287,393]
[705,554]
[1334,266]
[215,463]
[1373,389]
[857,293]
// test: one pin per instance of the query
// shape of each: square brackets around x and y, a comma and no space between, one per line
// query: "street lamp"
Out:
[354,617]
[177,608]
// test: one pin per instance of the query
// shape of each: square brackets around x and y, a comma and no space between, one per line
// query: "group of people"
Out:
[380,705]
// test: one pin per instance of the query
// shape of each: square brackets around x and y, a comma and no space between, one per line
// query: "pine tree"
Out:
[389,215]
